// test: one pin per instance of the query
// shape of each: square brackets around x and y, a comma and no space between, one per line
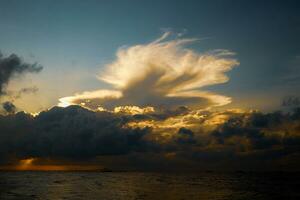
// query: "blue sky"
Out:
[74,39]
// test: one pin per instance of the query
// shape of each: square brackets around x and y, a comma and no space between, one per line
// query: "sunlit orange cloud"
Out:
[161,73]
[194,120]
[133,110]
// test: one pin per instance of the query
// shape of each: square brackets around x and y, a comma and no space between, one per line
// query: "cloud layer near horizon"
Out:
[169,140]
[161,73]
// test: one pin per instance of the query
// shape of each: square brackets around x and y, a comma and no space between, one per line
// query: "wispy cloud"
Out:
[161,73]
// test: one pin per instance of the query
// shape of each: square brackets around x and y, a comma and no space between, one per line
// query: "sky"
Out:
[74,40]
[193,64]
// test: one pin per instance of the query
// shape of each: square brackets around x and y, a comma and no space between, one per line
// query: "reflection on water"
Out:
[95,185]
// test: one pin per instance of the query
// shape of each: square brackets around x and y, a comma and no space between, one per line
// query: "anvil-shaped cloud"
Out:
[161,73]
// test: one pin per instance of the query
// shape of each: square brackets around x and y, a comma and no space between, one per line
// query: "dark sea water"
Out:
[131,185]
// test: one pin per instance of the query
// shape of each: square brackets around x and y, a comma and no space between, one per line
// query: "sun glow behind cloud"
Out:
[40,164]
[161,73]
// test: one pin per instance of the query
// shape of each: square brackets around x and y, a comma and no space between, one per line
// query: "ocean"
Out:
[136,185]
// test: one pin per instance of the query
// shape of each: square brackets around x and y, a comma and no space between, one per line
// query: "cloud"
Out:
[163,73]
[147,138]
[291,101]
[155,116]
[185,136]
[73,132]
[27,90]
[17,94]
[9,107]
[11,66]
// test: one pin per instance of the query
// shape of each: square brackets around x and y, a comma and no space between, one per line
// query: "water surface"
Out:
[133,185]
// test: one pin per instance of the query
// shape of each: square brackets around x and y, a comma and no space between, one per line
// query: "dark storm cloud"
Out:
[185,136]
[9,107]
[72,132]
[77,133]
[13,65]
[261,132]
[250,131]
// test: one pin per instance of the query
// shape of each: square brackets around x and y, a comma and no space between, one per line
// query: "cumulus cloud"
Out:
[11,66]
[161,73]
[72,132]
[184,137]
